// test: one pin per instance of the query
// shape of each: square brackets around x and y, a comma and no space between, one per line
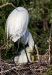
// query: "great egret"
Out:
[16,28]
[21,58]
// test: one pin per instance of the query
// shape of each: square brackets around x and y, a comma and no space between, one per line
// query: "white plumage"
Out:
[16,28]
[27,38]
[16,24]
[22,57]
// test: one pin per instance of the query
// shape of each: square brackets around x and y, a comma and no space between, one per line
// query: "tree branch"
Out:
[4,44]
[37,51]
[1,6]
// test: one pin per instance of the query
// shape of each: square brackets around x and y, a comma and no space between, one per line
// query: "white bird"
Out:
[27,38]
[21,58]
[16,28]
[16,24]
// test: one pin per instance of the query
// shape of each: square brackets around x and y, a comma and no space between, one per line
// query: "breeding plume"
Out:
[16,28]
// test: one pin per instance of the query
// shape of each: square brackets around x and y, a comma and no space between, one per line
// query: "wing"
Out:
[17,23]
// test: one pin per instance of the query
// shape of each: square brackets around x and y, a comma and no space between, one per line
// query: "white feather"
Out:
[16,28]
[22,57]
[17,23]
[27,38]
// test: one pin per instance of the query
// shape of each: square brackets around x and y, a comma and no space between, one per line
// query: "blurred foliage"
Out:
[40,12]
[49,72]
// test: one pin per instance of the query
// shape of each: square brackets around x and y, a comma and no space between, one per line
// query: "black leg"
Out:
[16,48]
[26,54]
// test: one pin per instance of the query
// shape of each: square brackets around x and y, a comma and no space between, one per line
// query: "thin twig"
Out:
[4,45]
[8,70]
[50,42]
[1,6]
[37,52]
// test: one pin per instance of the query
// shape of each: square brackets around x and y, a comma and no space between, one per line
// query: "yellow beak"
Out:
[32,55]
